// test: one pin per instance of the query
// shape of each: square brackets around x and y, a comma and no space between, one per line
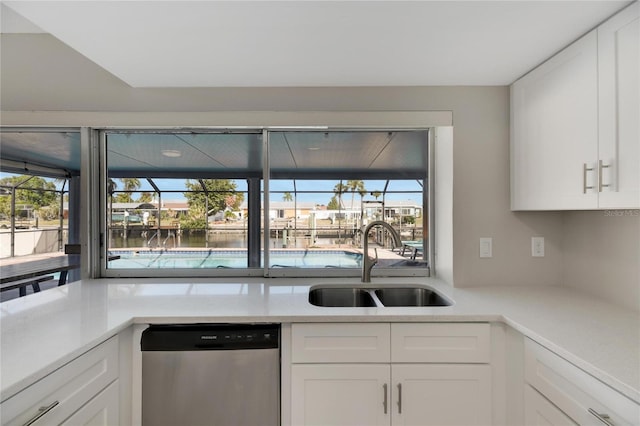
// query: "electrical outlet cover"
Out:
[537,246]
[486,247]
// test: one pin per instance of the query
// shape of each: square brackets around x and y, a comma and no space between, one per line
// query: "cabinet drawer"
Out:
[538,411]
[573,390]
[341,342]
[66,389]
[441,342]
[100,411]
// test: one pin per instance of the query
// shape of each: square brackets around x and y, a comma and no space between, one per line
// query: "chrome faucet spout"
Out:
[369,262]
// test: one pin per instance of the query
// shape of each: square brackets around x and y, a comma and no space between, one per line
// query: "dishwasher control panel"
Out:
[194,337]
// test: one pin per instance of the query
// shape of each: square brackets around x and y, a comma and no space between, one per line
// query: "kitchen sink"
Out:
[410,296]
[388,296]
[341,297]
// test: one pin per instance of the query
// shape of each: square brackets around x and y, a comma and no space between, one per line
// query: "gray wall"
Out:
[41,74]
[602,254]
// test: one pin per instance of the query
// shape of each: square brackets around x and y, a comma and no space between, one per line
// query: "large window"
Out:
[275,203]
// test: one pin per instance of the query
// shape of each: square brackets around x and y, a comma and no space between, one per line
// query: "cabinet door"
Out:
[619,92]
[100,411]
[340,394]
[538,411]
[554,131]
[441,394]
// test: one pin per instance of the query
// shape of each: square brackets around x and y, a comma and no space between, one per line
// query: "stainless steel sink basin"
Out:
[341,297]
[389,296]
[410,296]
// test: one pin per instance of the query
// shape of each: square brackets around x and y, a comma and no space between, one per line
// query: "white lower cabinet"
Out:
[580,397]
[85,391]
[338,389]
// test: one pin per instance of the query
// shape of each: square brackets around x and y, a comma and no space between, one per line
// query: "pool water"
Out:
[233,259]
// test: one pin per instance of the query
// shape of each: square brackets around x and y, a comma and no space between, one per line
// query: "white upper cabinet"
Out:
[555,131]
[619,110]
[574,124]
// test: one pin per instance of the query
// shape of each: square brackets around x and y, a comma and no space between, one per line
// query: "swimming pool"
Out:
[203,259]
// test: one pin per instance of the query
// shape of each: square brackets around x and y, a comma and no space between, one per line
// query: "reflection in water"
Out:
[171,239]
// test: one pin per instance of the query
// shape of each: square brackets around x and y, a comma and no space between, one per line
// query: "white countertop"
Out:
[43,331]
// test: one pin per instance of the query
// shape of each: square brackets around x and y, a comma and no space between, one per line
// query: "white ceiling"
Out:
[315,43]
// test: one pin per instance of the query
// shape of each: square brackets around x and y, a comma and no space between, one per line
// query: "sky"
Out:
[278,187]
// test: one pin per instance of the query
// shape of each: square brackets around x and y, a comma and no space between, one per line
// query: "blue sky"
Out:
[277,188]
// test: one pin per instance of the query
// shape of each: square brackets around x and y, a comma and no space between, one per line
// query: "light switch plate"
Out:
[486,247]
[537,246]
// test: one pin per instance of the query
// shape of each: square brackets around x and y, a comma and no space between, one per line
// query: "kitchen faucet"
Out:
[369,262]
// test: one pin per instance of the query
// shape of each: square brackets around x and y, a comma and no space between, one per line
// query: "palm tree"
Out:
[355,186]
[129,185]
[111,186]
[288,197]
[340,189]
[362,193]
[376,195]
[145,197]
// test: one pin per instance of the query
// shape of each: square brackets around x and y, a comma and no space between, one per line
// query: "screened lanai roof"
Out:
[44,152]
[293,154]
[231,154]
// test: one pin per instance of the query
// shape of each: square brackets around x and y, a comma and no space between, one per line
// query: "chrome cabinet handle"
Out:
[604,418]
[41,412]
[585,169]
[384,401]
[399,398]
[601,166]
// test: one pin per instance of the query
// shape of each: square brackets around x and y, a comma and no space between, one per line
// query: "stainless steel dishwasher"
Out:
[203,374]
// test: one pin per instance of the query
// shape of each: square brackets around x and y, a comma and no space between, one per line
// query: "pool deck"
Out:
[28,258]
[382,252]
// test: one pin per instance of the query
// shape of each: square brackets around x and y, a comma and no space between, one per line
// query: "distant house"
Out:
[290,209]
[284,210]
[397,208]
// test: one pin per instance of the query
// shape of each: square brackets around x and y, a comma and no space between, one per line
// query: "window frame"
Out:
[100,163]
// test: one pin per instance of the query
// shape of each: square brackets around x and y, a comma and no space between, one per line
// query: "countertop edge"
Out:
[607,379]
